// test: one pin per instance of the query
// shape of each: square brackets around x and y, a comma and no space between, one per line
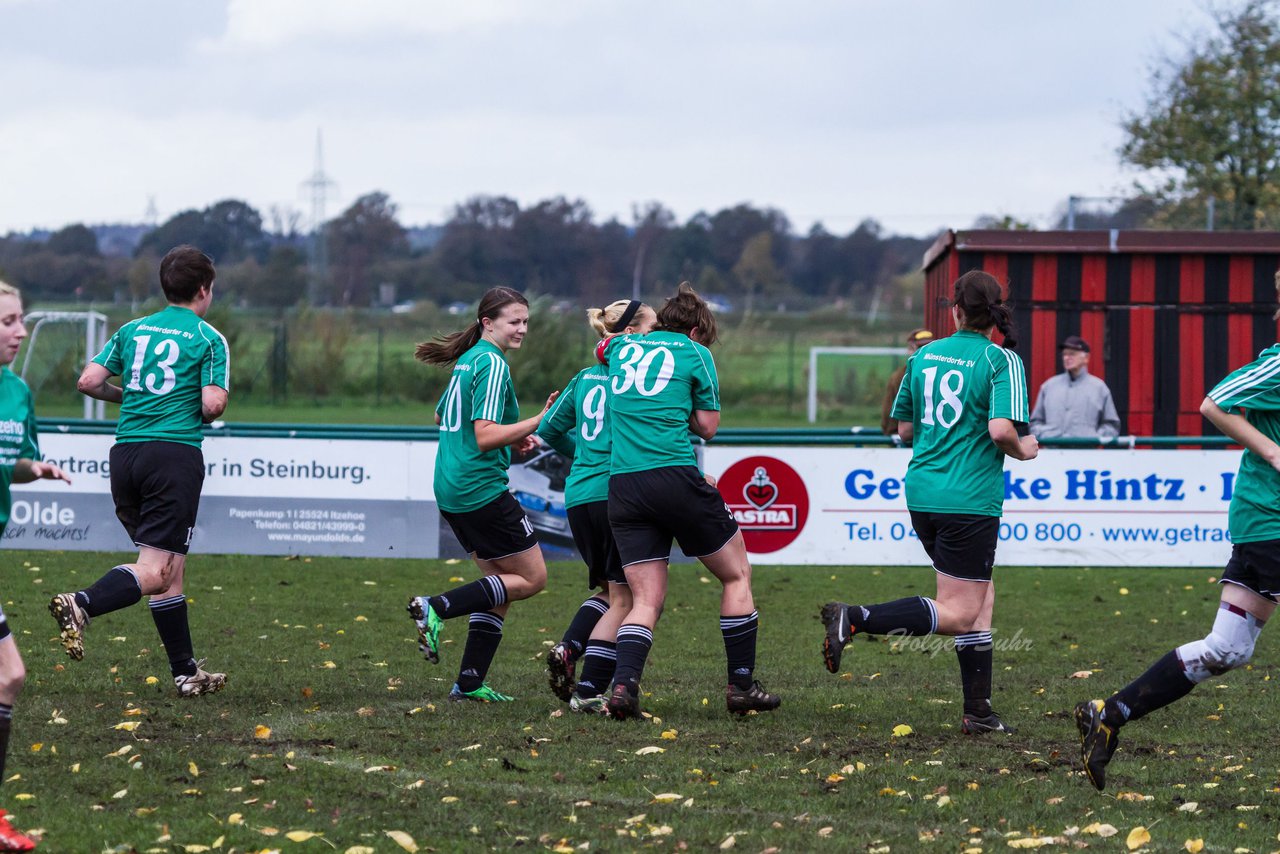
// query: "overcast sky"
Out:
[921,114]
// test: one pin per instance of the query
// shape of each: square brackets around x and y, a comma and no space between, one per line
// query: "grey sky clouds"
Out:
[920,114]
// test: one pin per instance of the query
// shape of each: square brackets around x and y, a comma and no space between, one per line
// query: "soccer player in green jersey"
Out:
[1246,407]
[578,427]
[175,372]
[963,407]
[663,385]
[20,462]
[479,421]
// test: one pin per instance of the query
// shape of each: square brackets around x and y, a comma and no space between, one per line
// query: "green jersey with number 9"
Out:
[577,426]
[163,361]
[657,381]
[479,389]
[952,388]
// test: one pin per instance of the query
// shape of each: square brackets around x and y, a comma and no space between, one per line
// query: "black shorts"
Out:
[648,509]
[594,539]
[498,529]
[156,489]
[1255,566]
[961,545]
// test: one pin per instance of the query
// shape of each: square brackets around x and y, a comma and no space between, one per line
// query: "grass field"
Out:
[331,724]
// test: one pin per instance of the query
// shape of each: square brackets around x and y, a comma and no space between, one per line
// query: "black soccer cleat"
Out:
[979,724]
[623,703]
[742,701]
[835,616]
[560,667]
[1098,741]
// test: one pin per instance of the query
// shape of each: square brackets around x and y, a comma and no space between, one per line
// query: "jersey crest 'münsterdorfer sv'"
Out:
[952,388]
[479,389]
[577,426]
[1255,390]
[657,381]
[163,362]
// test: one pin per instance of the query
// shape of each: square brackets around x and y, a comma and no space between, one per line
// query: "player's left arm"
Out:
[215,374]
[1236,426]
[704,419]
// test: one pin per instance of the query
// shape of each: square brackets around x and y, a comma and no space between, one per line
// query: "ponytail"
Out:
[978,296]
[447,349]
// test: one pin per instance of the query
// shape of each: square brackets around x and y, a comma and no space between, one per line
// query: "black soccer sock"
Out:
[482,595]
[583,622]
[740,647]
[598,663]
[974,652]
[1162,684]
[914,615]
[634,643]
[6,720]
[170,616]
[117,589]
[484,633]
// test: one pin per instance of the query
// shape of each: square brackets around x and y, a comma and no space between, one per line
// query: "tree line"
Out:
[554,247]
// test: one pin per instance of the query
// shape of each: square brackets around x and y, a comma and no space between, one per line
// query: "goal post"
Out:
[815,352]
[95,336]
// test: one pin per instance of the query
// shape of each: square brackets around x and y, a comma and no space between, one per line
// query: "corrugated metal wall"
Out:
[1163,327]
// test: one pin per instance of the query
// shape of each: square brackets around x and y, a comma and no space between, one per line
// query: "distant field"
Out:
[358,369]
[333,725]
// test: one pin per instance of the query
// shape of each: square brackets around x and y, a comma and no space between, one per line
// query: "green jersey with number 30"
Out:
[952,388]
[480,389]
[577,425]
[1254,390]
[163,362]
[657,381]
[18,438]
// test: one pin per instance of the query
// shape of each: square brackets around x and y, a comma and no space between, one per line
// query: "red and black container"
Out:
[1167,314]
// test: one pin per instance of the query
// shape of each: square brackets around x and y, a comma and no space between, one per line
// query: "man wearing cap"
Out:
[1074,402]
[916,339]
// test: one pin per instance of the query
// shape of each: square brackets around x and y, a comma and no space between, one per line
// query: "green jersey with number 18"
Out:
[479,389]
[1254,391]
[577,426]
[952,388]
[163,362]
[657,381]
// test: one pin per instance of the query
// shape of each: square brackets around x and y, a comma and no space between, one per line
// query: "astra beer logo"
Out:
[768,500]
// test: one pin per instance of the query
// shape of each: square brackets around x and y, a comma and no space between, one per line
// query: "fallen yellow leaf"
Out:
[261,732]
[1138,837]
[235,818]
[404,840]
[24,796]
[151,680]
[448,799]
[669,734]
[193,769]
[1031,842]
[1195,846]
[902,730]
[37,747]
[359,849]
[301,835]
[645,751]
[127,726]
[667,797]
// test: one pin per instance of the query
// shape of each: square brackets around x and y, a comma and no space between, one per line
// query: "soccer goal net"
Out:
[58,345]
[848,383]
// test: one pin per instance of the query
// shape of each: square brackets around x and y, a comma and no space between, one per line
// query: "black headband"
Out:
[627,316]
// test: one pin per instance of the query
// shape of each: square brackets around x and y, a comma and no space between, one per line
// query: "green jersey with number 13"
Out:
[952,388]
[657,381]
[163,362]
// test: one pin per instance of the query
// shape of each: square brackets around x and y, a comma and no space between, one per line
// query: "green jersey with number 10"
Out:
[657,381]
[163,361]
[1254,391]
[480,389]
[952,388]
